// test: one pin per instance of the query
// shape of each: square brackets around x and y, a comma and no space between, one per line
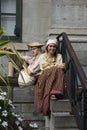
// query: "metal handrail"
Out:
[76,81]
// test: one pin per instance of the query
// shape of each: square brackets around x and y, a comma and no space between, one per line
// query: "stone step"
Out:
[79,46]
[62,120]
[23,99]
[74,34]
[81,51]
[28,111]
[60,105]
[82,55]
[23,95]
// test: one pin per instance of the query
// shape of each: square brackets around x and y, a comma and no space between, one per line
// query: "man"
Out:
[29,75]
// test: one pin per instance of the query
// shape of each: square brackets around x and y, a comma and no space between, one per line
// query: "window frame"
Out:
[18,26]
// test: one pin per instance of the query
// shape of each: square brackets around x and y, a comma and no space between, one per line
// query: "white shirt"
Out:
[45,59]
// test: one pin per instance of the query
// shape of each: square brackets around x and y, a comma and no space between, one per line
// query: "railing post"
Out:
[85,111]
[72,82]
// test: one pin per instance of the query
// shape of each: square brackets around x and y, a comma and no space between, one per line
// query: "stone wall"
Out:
[42,18]
[36,20]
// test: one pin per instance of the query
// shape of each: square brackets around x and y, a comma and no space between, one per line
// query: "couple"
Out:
[50,81]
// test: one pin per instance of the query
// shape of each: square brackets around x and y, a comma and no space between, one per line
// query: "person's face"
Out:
[35,51]
[52,48]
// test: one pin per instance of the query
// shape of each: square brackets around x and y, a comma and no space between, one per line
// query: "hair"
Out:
[39,48]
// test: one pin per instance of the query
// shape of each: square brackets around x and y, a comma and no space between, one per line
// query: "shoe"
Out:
[53,97]
[56,94]
[59,96]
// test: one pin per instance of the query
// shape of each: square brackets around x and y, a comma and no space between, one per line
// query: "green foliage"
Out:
[8,119]
[8,53]
[1,32]
[2,44]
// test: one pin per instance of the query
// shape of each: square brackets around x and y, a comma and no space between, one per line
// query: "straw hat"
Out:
[35,44]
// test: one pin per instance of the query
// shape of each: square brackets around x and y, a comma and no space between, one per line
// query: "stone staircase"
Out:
[23,99]
[61,119]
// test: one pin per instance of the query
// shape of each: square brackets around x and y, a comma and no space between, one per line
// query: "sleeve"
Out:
[42,60]
[35,67]
[27,59]
[59,60]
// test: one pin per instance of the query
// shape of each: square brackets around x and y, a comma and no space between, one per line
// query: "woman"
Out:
[29,75]
[51,80]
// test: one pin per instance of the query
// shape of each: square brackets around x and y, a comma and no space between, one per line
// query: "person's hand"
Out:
[8,49]
[62,66]
[45,65]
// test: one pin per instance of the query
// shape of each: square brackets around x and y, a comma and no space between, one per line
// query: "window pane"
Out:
[11,18]
[8,6]
[8,23]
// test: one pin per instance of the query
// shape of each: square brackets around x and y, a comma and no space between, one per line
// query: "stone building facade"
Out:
[35,20]
[42,18]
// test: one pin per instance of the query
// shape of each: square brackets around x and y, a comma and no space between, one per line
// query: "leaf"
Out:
[1,32]
[3,52]
[18,55]
[3,79]
[4,43]
[14,64]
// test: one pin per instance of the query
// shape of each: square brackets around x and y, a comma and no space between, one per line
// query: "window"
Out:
[11,18]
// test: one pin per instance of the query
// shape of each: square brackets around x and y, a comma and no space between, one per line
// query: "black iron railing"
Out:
[76,81]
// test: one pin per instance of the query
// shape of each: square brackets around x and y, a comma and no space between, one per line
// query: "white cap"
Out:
[51,41]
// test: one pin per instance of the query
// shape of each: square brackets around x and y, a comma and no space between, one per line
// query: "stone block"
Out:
[28,108]
[18,108]
[32,116]
[23,95]
[63,120]
[60,105]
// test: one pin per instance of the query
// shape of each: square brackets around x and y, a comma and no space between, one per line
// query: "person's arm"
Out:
[45,65]
[11,49]
[43,62]
[34,67]
[62,66]
[59,62]
[27,70]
